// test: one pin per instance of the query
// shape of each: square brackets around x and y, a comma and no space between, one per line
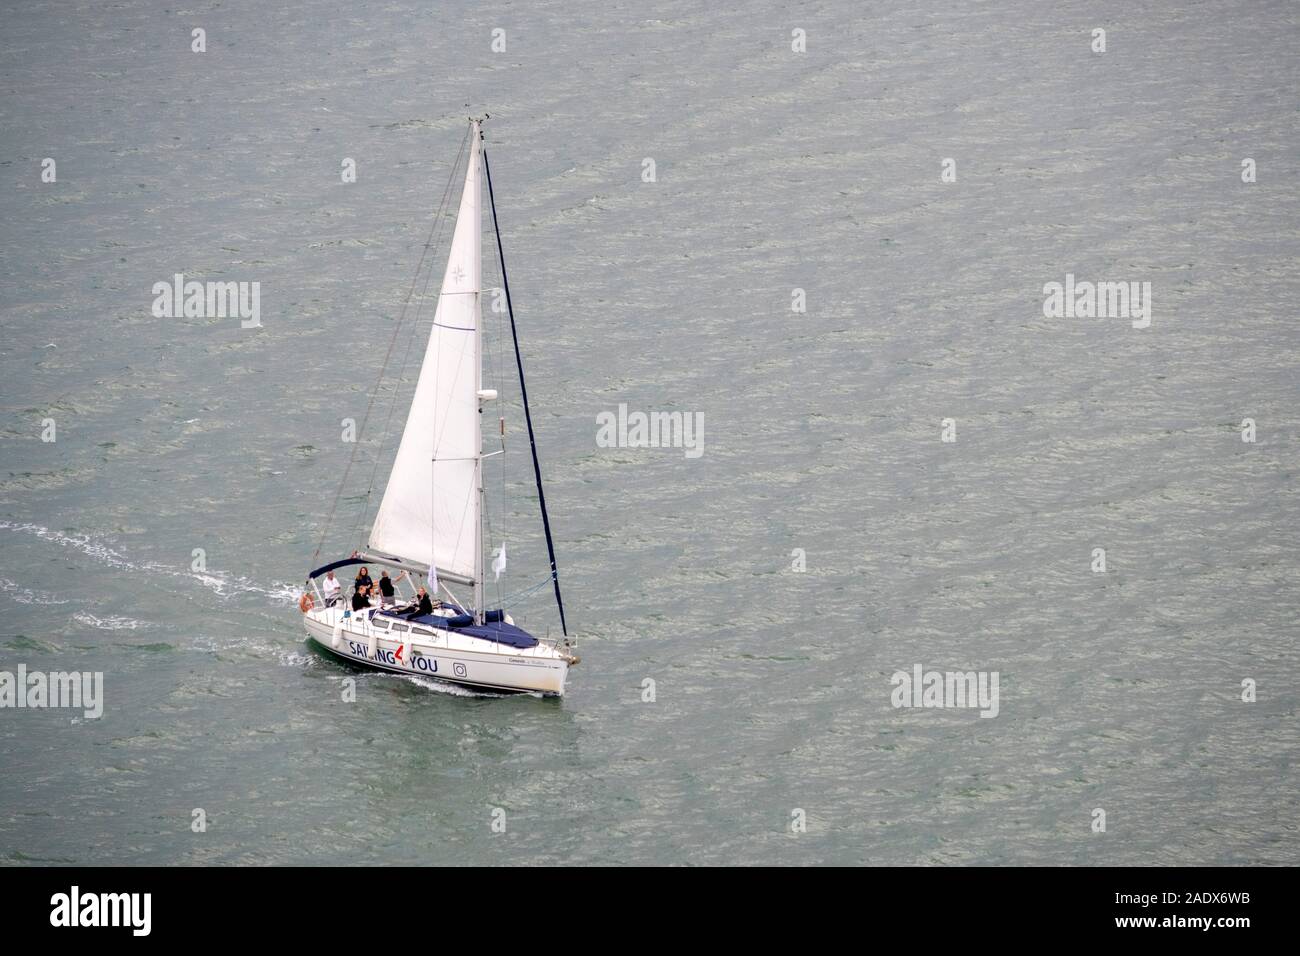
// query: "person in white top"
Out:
[331,590]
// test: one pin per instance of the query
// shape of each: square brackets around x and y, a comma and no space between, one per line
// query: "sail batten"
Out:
[429,513]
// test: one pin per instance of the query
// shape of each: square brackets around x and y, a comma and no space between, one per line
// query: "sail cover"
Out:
[430,509]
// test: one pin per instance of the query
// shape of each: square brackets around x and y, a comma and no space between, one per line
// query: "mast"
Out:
[523,390]
[476,141]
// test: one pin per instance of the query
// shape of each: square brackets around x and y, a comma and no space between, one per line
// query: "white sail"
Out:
[430,509]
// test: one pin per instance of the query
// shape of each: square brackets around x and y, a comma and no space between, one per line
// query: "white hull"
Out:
[441,654]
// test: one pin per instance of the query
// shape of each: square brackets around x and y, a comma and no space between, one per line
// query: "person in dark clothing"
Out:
[424,605]
[360,598]
[386,589]
[363,578]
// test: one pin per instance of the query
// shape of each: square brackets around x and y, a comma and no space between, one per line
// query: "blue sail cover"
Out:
[498,631]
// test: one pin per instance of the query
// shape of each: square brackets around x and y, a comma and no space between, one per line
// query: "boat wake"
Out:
[222,584]
[444,687]
[111,623]
[26,595]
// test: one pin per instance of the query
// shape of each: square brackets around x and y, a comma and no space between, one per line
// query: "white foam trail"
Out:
[81,543]
[26,595]
[111,623]
[441,687]
[223,585]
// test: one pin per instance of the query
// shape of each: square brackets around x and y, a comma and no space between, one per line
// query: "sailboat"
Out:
[430,519]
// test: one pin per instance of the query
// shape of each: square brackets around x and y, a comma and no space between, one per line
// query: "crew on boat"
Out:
[423,605]
[361,597]
[387,593]
[331,588]
[363,578]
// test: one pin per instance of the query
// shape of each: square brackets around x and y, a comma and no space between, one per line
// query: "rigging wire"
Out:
[528,592]
[523,393]
[363,501]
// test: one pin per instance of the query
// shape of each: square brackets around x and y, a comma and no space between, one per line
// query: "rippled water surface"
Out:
[774,171]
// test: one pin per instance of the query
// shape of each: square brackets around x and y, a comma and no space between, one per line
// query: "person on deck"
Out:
[386,591]
[423,606]
[331,588]
[361,598]
[363,578]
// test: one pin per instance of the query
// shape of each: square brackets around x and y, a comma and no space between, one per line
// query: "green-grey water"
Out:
[775,170]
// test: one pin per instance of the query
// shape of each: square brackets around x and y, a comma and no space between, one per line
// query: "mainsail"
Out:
[430,510]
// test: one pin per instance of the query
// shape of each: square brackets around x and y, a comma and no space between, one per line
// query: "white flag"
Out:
[499,562]
[433,583]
